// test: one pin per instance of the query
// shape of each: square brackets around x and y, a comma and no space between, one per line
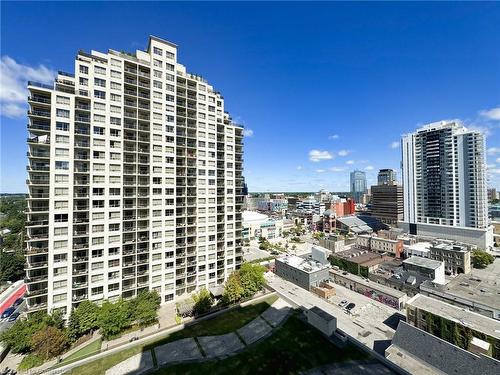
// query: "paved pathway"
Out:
[220,346]
[137,364]
[178,351]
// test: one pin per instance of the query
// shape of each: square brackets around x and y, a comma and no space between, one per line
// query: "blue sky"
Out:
[321,88]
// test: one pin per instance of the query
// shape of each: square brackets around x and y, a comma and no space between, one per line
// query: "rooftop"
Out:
[480,287]
[419,352]
[420,246]
[423,262]
[475,321]
[305,265]
[363,257]
[372,284]
[450,247]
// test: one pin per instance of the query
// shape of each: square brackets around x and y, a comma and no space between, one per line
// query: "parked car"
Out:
[8,312]
[18,301]
[13,317]
[343,303]
[350,306]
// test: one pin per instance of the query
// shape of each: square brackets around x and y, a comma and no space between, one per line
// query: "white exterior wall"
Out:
[174,136]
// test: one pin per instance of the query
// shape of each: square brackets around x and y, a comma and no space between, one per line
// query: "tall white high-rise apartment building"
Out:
[135,181]
[444,181]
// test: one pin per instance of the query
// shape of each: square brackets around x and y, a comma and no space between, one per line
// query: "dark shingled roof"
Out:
[441,354]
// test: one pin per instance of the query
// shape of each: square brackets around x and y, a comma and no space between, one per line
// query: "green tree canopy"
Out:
[481,259]
[251,278]
[11,266]
[18,337]
[233,290]
[113,318]
[83,319]
[49,342]
[144,308]
[203,302]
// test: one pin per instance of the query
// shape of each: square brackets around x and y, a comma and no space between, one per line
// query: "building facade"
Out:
[305,273]
[135,181]
[457,258]
[444,178]
[358,185]
[386,177]
[387,203]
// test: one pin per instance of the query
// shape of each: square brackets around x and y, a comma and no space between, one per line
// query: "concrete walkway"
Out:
[199,349]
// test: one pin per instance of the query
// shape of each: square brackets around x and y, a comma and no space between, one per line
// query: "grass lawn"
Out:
[223,323]
[87,350]
[295,347]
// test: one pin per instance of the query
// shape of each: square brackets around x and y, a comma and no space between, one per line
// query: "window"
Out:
[98,130]
[116,86]
[84,69]
[62,100]
[157,51]
[62,152]
[61,178]
[99,70]
[99,94]
[62,113]
[84,81]
[63,126]
[99,82]
[62,165]
[116,74]
[61,231]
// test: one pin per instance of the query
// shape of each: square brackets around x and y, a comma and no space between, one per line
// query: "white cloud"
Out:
[337,169]
[494,171]
[493,150]
[320,170]
[369,168]
[13,80]
[491,114]
[299,167]
[497,160]
[318,155]
[394,144]
[344,152]
[333,136]
[490,166]
[248,133]
[350,162]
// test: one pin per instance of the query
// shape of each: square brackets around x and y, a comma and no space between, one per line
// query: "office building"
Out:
[135,181]
[358,185]
[444,180]
[387,203]
[386,177]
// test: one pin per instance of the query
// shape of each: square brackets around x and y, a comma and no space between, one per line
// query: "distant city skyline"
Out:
[322,89]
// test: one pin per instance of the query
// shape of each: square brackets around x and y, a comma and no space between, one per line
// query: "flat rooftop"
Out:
[362,256]
[372,284]
[475,321]
[305,265]
[420,246]
[450,247]
[423,262]
[480,287]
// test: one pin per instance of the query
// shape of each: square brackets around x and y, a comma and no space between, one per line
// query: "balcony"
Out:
[38,113]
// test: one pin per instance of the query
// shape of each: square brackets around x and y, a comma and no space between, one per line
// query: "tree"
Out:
[251,278]
[233,289]
[49,342]
[481,259]
[11,266]
[203,302]
[83,319]
[18,337]
[113,318]
[144,308]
